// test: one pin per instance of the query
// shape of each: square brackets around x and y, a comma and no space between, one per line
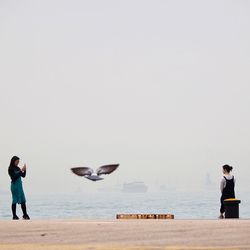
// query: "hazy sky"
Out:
[161,87]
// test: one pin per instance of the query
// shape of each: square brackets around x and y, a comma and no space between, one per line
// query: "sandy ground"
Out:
[124,234]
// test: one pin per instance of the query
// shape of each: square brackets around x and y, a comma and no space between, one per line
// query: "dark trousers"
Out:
[23,206]
[222,208]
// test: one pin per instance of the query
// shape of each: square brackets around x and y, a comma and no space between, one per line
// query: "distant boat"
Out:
[135,187]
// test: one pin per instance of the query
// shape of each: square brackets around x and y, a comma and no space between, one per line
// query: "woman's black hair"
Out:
[12,161]
[228,168]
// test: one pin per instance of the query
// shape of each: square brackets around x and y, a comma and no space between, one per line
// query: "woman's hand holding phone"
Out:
[24,168]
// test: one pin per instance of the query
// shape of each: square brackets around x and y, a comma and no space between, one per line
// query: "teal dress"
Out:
[18,195]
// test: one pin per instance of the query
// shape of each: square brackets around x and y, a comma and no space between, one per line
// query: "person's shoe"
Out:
[15,217]
[221,216]
[26,217]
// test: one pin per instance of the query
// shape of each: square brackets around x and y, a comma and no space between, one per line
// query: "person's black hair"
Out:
[12,161]
[227,168]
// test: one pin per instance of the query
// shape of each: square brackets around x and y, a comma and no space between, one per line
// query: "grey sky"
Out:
[162,87]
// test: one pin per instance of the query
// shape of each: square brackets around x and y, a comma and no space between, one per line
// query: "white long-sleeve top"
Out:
[223,181]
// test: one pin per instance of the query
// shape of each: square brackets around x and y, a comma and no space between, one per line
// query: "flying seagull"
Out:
[92,175]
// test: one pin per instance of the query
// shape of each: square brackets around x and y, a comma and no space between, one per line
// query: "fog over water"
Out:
[161,87]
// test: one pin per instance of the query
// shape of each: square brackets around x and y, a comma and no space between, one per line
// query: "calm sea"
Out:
[183,204]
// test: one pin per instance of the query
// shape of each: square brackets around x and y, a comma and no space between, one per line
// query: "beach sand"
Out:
[124,234]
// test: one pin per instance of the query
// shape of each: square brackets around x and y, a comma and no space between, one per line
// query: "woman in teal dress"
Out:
[18,196]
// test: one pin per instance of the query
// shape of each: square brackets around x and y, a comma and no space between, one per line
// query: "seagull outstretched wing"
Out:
[82,171]
[107,169]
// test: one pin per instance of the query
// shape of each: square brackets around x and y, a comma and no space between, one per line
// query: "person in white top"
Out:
[227,187]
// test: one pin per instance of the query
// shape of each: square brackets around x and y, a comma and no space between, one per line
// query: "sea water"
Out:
[184,204]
